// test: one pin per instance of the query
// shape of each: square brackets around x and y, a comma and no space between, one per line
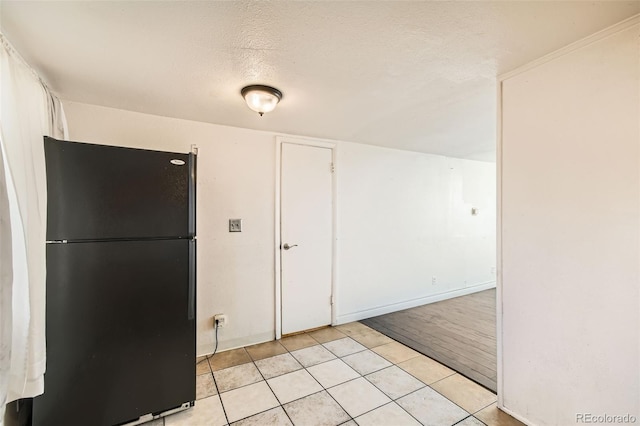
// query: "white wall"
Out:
[403,217]
[570,230]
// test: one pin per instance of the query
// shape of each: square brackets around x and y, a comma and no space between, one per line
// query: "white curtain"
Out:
[28,111]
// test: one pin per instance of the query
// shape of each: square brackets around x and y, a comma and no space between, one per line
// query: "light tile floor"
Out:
[346,375]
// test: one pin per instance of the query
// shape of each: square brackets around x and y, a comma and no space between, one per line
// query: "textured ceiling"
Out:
[411,75]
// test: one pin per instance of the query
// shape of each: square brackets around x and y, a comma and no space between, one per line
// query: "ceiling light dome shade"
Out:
[260,98]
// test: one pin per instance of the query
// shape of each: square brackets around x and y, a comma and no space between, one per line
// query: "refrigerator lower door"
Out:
[120,332]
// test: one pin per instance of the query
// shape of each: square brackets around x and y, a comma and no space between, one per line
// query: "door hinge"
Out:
[333,168]
[331,300]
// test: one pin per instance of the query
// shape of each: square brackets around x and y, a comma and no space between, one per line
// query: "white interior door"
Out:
[306,236]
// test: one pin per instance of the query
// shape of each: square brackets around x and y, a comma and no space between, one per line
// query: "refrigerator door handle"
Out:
[191,309]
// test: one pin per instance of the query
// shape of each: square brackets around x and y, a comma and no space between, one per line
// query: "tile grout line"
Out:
[391,400]
[485,407]
[271,389]
[462,420]
[215,382]
[326,390]
[449,399]
[426,385]
[479,420]
[297,399]
[360,375]
[395,400]
[252,361]
[323,389]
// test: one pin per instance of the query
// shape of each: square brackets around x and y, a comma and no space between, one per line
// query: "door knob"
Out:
[286,246]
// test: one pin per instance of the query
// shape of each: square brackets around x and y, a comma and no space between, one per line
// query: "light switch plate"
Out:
[235,225]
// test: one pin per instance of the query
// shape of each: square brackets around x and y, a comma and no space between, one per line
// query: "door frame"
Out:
[277,236]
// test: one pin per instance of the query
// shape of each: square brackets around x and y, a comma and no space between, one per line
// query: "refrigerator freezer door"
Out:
[120,332]
[98,192]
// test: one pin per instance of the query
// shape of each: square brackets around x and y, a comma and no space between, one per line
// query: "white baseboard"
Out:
[516,416]
[225,345]
[381,310]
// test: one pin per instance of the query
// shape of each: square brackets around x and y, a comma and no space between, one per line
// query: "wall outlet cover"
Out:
[220,320]
[235,225]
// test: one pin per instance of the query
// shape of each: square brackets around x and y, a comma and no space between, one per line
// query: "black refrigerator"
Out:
[120,297]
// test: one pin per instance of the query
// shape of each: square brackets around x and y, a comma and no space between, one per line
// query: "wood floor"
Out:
[459,333]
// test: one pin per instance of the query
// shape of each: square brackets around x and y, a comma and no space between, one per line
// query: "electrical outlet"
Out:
[433,280]
[220,320]
[235,225]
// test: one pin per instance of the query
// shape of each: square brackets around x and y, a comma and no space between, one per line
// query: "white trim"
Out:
[277,259]
[227,345]
[334,239]
[276,239]
[595,37]
[517,416]
[393,307]
[306,141]
[499,310]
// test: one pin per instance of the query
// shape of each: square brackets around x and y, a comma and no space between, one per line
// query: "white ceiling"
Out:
[411,75]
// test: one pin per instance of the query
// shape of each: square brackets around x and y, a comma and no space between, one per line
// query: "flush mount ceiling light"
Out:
[260,98]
